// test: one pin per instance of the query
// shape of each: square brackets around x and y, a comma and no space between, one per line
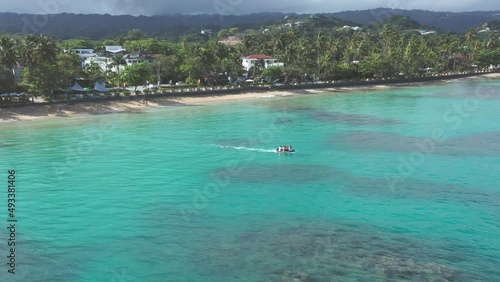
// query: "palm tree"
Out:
[36,50]
[8,57]
[471,43]
[492,42]
[389,37]
[319,47]
[248,45]
[259,66]
[93,72]
[117,61]
[277,44]
[45,50]
[26,47]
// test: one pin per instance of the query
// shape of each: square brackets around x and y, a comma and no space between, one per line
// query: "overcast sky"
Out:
[156,7]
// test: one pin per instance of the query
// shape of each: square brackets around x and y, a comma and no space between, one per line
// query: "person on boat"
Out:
[290,148]
[280,149]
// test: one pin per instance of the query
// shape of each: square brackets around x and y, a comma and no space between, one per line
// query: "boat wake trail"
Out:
[248,149]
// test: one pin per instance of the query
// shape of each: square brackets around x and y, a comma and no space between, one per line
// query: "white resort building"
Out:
[133,59]
[104,59]
[83,53]
[115,49]
[250,61]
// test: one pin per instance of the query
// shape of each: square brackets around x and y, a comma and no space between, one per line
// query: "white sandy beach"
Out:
[34,112]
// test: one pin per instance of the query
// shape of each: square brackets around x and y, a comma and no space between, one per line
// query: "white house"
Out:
[133,59]
[115,49]
[102,61]
[106,61]
[250,61]
[83,53]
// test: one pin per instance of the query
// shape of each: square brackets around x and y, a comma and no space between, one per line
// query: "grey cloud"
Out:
[157,7]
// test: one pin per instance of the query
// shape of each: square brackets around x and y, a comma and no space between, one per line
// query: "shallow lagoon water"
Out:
[198,194]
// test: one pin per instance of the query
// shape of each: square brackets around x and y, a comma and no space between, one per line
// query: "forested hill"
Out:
[95,26]
[445,21]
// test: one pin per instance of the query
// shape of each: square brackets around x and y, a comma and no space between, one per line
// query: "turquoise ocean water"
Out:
[388,185]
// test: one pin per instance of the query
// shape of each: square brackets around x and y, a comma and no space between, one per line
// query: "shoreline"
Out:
[134,104]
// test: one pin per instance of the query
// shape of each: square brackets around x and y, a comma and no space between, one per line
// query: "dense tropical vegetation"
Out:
[173,27]
[320,49]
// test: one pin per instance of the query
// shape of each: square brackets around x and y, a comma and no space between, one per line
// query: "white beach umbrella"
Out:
[100,88]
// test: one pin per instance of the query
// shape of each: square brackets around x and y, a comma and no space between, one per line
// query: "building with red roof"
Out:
[259,57]
[251,60]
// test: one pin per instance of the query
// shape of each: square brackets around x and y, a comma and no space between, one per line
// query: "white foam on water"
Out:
[248,149]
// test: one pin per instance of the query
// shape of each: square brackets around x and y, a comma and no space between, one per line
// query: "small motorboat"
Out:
[290,151]
[285,149]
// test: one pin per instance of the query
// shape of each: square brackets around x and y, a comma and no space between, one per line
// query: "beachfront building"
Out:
[114,50]
[103,61]
[104,58]
[133,59]
[250,61]
[83,53]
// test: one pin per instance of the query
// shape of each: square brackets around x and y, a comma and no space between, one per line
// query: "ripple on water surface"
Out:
[477,144]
